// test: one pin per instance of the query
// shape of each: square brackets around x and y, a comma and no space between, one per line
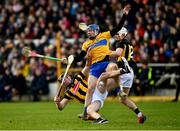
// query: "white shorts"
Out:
[98,96]
[126,80]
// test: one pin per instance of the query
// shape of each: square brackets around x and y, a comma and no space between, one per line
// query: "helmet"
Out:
[95,28]
[123,31]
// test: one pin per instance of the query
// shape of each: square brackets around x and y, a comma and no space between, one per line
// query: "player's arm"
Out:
[109,74]
[116,53]
[85,71]
[60,103]
[121,23]
[80,56]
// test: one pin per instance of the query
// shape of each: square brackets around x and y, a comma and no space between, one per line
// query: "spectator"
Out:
[177,55]
[5,85]
[51,78]
[19,83]
[39,85]
[144,80]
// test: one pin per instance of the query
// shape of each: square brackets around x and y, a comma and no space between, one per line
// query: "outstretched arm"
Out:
[121,23]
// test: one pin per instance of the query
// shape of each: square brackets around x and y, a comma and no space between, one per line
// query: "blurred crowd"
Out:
[153,25]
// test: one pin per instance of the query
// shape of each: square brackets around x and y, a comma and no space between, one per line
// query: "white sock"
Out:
[139,114]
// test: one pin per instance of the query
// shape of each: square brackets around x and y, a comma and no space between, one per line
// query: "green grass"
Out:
[44,115]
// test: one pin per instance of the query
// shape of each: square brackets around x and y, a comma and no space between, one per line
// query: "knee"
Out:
[91,86]
[112,67]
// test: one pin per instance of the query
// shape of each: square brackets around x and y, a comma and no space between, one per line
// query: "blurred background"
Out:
[50,27]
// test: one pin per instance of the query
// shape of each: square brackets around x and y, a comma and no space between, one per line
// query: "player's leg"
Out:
[93,109]
[96,102]
[95,71]
[112,71]
[126,81]
[130,104]
[98,99]
[91,87]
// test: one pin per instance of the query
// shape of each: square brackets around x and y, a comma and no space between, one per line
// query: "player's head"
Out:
[67,80]
[122,33]
[93,30]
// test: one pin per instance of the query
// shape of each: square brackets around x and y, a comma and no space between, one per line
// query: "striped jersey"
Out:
[78,88]
[127,52]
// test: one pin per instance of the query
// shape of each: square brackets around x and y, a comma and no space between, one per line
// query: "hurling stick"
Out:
[29,53]
[83,26]
[61,88]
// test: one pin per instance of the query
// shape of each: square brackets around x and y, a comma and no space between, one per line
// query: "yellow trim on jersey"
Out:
[124,51]
[70,96]
[83,88]
[84,80]
[128,48]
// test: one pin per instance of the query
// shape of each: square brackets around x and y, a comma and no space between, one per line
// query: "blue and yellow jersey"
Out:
[78,89]
[99,47]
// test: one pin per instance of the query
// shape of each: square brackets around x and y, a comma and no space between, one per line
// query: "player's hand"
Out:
[64,60]
[126,9]
[70,59]
[57,99]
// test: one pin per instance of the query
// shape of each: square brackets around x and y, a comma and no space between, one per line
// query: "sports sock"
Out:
[100,118]
[85,110]
[138,113]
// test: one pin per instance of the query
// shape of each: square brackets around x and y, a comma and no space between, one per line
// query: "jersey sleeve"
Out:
[119,45]
[84,46]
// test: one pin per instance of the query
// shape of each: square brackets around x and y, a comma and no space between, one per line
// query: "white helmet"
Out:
[123,31]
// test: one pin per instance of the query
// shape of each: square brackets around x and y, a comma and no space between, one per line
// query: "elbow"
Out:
[60,108]
[104,76]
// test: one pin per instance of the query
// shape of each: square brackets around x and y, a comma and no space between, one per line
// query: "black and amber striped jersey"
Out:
[127,52]
[78,88]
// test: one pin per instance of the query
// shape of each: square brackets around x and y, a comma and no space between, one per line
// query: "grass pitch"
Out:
[45,116]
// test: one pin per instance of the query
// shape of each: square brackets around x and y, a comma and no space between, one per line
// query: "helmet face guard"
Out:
[123,31]
[92,30]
